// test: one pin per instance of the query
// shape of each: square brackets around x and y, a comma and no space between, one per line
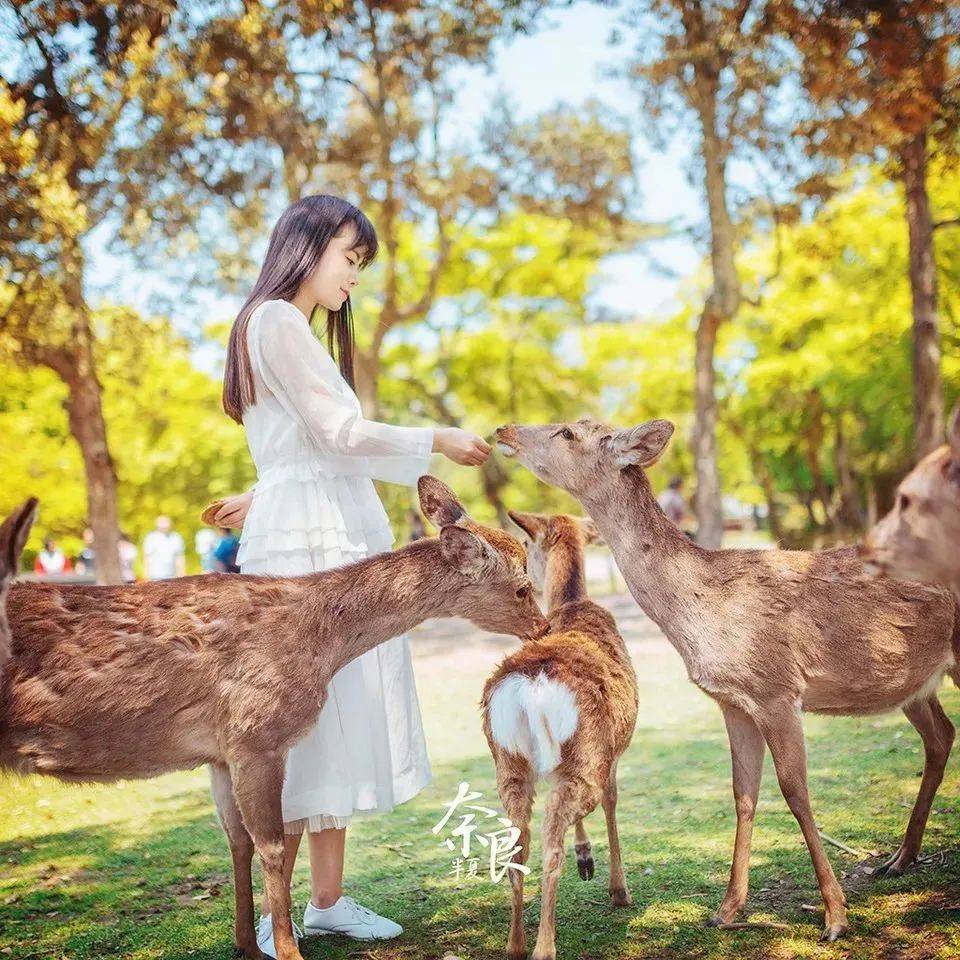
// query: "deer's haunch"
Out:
[135,681]
[563,706]
[766,633]
[919,539]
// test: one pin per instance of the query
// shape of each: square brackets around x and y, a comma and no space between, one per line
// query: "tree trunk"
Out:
[721,306]
[85,416]
[706,498]
[851,511]
[77,368]
[927,382]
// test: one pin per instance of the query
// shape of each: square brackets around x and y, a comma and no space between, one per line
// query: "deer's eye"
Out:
[523,592]
[904,502]
[566,433]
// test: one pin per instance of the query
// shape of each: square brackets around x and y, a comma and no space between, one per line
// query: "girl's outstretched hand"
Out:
[460,446]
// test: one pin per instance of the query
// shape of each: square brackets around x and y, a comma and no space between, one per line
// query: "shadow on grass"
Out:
[165,891]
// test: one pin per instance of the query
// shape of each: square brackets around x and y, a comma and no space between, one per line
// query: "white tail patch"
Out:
[533,717]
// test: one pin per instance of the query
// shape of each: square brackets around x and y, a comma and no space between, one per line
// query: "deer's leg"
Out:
[581,845]
[257,785]
[782,728]
[937,733]
[570,801]
[241,850]
[516,795]
[619,894]
[746,754]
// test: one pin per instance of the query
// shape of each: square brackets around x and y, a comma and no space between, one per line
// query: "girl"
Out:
[313,507]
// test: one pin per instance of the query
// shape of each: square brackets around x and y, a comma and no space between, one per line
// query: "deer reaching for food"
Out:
[919,539]
[766,633]
[562,706]
[230,670]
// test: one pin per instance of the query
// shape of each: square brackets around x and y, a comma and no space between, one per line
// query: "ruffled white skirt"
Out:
[367,752]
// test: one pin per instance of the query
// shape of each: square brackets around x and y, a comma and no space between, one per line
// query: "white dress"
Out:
[315,507]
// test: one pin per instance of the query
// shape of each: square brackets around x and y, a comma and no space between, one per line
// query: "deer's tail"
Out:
[533,716]
[13,535]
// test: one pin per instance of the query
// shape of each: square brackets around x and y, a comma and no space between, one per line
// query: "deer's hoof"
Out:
[833,931]
[723,917]
[896,865]
[584,860]
[620,897]
[252,952]
[517,953]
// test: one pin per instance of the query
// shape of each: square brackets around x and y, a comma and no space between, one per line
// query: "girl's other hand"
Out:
[232,511]
[460,446]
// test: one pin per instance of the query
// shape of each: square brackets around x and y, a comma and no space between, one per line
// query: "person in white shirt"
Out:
[164,554]
[314,507]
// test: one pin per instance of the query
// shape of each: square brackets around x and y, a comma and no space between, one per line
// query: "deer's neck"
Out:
[381,597]
[667,574]
[565,578]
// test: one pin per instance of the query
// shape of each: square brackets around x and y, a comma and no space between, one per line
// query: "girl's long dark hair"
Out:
[296,245]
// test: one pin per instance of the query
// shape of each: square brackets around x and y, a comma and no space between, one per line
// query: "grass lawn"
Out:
[141,870]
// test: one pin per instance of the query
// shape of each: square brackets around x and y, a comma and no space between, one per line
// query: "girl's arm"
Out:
[303,378]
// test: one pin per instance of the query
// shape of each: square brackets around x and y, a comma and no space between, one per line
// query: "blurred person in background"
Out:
[205,543]
[164,553]
[128,558]
[51,560]
[87,558]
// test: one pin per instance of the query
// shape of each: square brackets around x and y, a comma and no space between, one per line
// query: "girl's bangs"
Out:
[365,238]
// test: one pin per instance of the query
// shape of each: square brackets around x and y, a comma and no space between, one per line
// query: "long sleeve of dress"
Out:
[305,380]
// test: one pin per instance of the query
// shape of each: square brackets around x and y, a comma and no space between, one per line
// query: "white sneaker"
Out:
[265,935]
[346,916]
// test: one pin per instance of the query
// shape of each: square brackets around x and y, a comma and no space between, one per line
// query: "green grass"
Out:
[141,870]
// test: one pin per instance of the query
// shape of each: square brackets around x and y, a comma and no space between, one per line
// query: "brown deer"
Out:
[766,633]
[562,706]
[919,539]
[230,670]
[13,535]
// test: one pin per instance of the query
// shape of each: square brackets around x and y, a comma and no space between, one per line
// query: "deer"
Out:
[919,539]
[767,634]
[563,706]
[13,535]
[230,670]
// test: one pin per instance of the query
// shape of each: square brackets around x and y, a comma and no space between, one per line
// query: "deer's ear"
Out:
[465,551]
[590,530]
[13,535]
[438,502]
[531,524]
[641,446]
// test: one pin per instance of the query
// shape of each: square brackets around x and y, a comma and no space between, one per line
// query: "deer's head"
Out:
[586,457]
[493,589]
[543,533]
[919,539]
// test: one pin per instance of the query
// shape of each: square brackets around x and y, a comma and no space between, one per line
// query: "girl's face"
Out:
[337,272]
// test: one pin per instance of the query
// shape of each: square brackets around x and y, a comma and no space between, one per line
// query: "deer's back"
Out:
[122,681]
[814,625]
